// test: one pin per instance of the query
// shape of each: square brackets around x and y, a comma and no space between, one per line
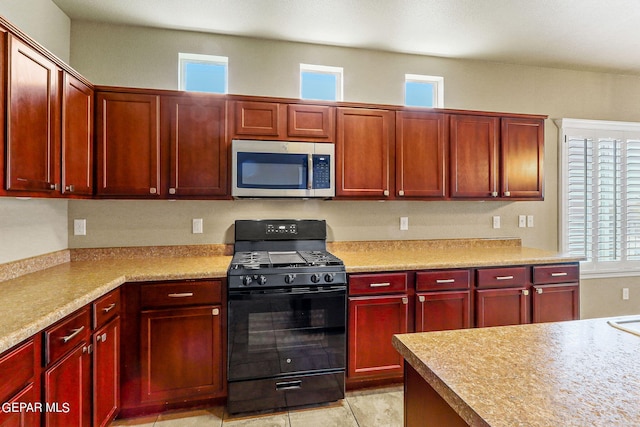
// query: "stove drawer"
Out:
[368,284]
[176,294]
[285,392]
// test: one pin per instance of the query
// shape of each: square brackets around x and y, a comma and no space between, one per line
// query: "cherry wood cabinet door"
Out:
[20,369]
[555,303]
[421,155]
[265,120]
[311,122]
[181,353]
[27,396]
[128,141]
[106,373]
[77,137]
[501,307]
[522,151]
[33,125]
[364,153]
[197,145]
[440,311]
[67,389]
[474,156]
[373,320]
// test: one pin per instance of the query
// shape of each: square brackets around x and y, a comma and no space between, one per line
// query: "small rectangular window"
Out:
[320,82]
[203,73]
[423,91]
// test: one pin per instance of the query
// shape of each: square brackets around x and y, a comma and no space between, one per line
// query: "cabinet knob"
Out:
[69,188]
[386,192]
[153,190]
[401,193]
[54,186]
[507,194]
[421,298]
[538,291]
[215,311]
[172,191]
[494,194]
[525,292]
[405,300]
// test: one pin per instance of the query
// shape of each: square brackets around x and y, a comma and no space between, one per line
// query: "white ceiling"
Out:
[599,35]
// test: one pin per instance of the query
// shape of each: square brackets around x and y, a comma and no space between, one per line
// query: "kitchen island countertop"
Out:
[576,373]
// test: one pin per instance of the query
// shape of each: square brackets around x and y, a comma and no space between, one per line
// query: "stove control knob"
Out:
[315,278]
[262,280]
[289,278]
[246,280]
[328,277]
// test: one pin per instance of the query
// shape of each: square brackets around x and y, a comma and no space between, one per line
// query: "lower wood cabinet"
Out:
[176,351]
[443,300]
[67,376]
[502,307]
[374,317]
[20,373]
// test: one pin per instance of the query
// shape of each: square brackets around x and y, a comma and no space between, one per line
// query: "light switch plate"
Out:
[404,223]
[530,221]
[496,222]
[522,221]
[196,226]
[79,227]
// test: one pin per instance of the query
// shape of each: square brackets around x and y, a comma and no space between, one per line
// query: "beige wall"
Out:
[41,20]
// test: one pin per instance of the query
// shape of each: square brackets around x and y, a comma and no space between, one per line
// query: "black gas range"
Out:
[287,316]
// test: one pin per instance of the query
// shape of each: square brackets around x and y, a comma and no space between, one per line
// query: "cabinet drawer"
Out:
[17,368]
[443,280]
[181,294]
[360,284]
[106,308]
[563,273]
[502,277]
[66,334]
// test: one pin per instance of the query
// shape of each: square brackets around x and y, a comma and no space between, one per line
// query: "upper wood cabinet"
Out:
[522,152]
[197,145]
[365,153]
[493,157]
[128,140]
[273,120]
[33,123]
[474,156]
[421,155]
[77,137]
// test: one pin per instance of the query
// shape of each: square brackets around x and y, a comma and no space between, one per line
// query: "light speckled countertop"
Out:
[578,373]
[32,302]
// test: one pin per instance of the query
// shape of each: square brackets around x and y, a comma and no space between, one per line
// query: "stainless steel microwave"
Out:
[282,169]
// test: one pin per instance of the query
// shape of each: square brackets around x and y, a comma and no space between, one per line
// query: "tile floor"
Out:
[377,407]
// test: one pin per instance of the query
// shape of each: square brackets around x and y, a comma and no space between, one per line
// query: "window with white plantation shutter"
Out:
[600,195]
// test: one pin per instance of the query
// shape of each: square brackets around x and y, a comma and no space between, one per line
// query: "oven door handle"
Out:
[289,385]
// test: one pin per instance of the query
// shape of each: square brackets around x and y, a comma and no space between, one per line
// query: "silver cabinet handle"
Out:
[102,337]
[421,298]
[108,309]
[504,277]
[559,274]
[379,285]
[73,334]
[538,291]
[310,174]
[444,281]
[181,295]
[386,192]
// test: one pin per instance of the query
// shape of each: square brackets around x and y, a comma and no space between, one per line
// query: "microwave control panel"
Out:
[321,171]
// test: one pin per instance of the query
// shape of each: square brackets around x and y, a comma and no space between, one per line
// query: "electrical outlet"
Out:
[625,293]
[522,221]
[496,222]
[404,223]
[79,227]
[530,221]
[196,226]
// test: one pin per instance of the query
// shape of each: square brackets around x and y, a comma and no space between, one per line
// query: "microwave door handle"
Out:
[310,174]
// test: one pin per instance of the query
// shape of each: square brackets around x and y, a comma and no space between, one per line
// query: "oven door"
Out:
[277,333]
